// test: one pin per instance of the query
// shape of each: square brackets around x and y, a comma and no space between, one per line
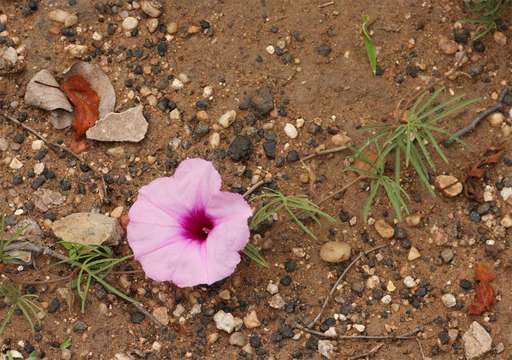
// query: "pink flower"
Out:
[185,230]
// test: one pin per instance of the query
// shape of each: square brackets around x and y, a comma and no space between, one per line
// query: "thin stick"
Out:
[326,4]
[367,354]
[421,349]
[59,149]
[254,188]
[325,152]
[342,276]
[343,189]
[406,336]
[480,116]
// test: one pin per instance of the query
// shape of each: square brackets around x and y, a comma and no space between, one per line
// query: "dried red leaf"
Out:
[485,296]
[490,157]
[86,103]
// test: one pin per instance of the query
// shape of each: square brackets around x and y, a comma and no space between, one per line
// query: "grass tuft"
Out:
[17,301]
[371,50]
[485,14]
[413,142]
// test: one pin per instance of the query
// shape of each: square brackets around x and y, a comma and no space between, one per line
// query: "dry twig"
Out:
[343,189]
[325,152]
[406,336]
[340,279]
[254,188]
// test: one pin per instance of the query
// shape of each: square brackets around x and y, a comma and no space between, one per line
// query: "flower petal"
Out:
[180,262]
[199,177]
[224,206]
[223,246]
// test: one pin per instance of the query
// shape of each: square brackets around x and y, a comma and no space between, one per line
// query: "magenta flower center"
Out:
[197,225]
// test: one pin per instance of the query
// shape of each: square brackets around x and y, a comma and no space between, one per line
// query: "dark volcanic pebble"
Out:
[137,317]
[240,149]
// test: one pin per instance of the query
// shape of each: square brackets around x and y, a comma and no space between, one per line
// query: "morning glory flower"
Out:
[185,230]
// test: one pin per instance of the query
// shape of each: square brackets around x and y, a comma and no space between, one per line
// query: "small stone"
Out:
[15,164]
[341,140]
[130,23]
[79,327]
[175,115]
[227,322]
[71,20]
[500,38]
[447,46]
[276,302]
[162,315]
[477,341]
[227,118]
[447,255]
[237,339]
[409,282]
[335,252]
[291,131]
[4,144]
[225,294]
[390,286]
[76,51]
[88,229]
[325,348]
[262,101]
[251,320]
[240,149]
[58,15]
[272,288]
[152,25]
[177,84]
[214,140]
[413,254]
[152,8]
[449,300]
[213,337]
[413,220]
[54,306]
[117,212]
[137,317]
[129,125]
[386,299]
[270,50]
[37,145]
[178,311]
[172,28]
[117,151]
[506,221]
[66,354]
[449,185]
[496,119]
[372,282]
[385,230]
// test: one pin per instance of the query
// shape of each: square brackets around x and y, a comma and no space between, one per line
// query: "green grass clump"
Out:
[411,142]
[17,301]
[371,50]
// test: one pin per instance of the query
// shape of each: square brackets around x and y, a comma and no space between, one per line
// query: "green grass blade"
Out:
[371,50]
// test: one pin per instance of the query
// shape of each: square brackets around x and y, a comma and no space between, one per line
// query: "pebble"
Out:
[172,28]
[240,149]
[152,25]
[447,255]
[291,131]
[162,315]
[496,119]
[58,15]
[151,8]
[15,164]
[237,339]
[413,220]
[66,354]
[175,115]
[37,145]
[335,252]
[272,288]
[4,144]
[178,311]
[413,254]
[325,348]
[227,118]
[500,38]
[214,140]
[39,168]
[276,302]
[506,221]
[270,49]
[71,20]
[385,230]
[251,320]
[449,300]
[477,341]
[373,282]
[130,23]
[227,322]
[76,51]
[449,185]
[409,282]
[177,84]
[386,299]
[447,46]
[341,140]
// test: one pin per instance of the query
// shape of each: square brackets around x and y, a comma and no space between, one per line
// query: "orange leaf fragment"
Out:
[86,103]
[485,296]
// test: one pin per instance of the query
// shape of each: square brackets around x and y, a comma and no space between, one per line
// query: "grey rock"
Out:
[262,101]
[88,229]
[129,125]
[44,199]
[237,339]
[477,341]
[335,251]
[227,322]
